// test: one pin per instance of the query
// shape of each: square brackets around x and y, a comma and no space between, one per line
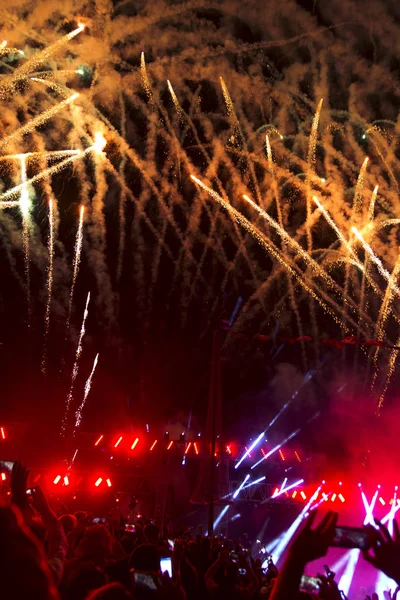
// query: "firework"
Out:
[75,370]
[77,260]
[49,283]
[88,385]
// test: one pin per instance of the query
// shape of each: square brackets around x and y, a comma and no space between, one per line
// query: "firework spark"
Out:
[75,370]
[77,260]
[88,385]
[49,284]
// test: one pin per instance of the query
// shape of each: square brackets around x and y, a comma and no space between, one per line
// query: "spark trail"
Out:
[25,206]
[77,260]
[266,245]
[75,370]
[88,385]
[49,285]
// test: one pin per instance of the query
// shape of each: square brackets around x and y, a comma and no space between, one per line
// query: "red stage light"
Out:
[98,482]
[333,497]
[3,433]
[3,476]
[57,479]
[341,498]
[281,455]
[263,451]
[118,442]
[247,450]
[36,479]
[302,494]
[297,455]
[195,448]
[134,444]
[294,494]
[381,500]
[170,445]
[153,445]
[108,481]
[228,449]
[66,480]
[99,440]
[276,490]
[188,447]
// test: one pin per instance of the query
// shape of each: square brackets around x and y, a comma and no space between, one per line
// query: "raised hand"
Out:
[19,477]
[39,501]
[386,550]
[311,544]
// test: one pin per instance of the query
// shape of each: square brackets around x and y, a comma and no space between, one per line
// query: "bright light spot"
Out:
[81,26]
[99,142]
[323,179]
[3,434]
[21,52]
[302,494]
[364,135]
[3,476]
[57,479]
[381,500]
[153,444]
[99,440]
[294,494]
[341,498]
[3,44]
[118,442]
[66,480]
[323,482]
[98,482]
[281,136]
[108,481]
[333,498]
[135,444]
[80,71]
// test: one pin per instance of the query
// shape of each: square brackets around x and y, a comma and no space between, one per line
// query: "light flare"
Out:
[88,385]
[76,263]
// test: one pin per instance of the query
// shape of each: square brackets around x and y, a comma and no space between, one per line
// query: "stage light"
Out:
[241,486]
[369,508]
[188,447]
[166,436]
[182,437]
[341,498]
[297,455]
[3,433]
[283,490]
[99,440]
[135,443]
[302,494]
[294,494]
[359,485]
[276,490]
[36,479]
[323,482]
[195,448]
[170,445]
[259,480]
[153,445]
[347,577]
[57,479]
[378,486]
[381,500]
[281,455]
[284,540]
[3,476]
[396,487]
[340,483]
[118,442]
[333,497]
[108,482]
[228,450]
[249,450]
[98,482]
[66,480]
[263,452]
[221,516]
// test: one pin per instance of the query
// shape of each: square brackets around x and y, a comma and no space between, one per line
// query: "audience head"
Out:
[112,591]
[152,534]
[23,567]
[82,579]
[145,558]
[68,523]
[96,545]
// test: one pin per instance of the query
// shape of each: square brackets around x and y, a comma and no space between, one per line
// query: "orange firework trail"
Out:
[77,260]
[75,370]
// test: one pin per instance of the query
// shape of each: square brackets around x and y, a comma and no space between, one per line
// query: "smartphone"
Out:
[242,571]
[99,521]
[310,585]
[144,581]
[165,564]
[130,528]
[350,537]
[6,466]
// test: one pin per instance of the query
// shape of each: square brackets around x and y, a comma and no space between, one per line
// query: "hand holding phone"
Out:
[350,537]
[166,565]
